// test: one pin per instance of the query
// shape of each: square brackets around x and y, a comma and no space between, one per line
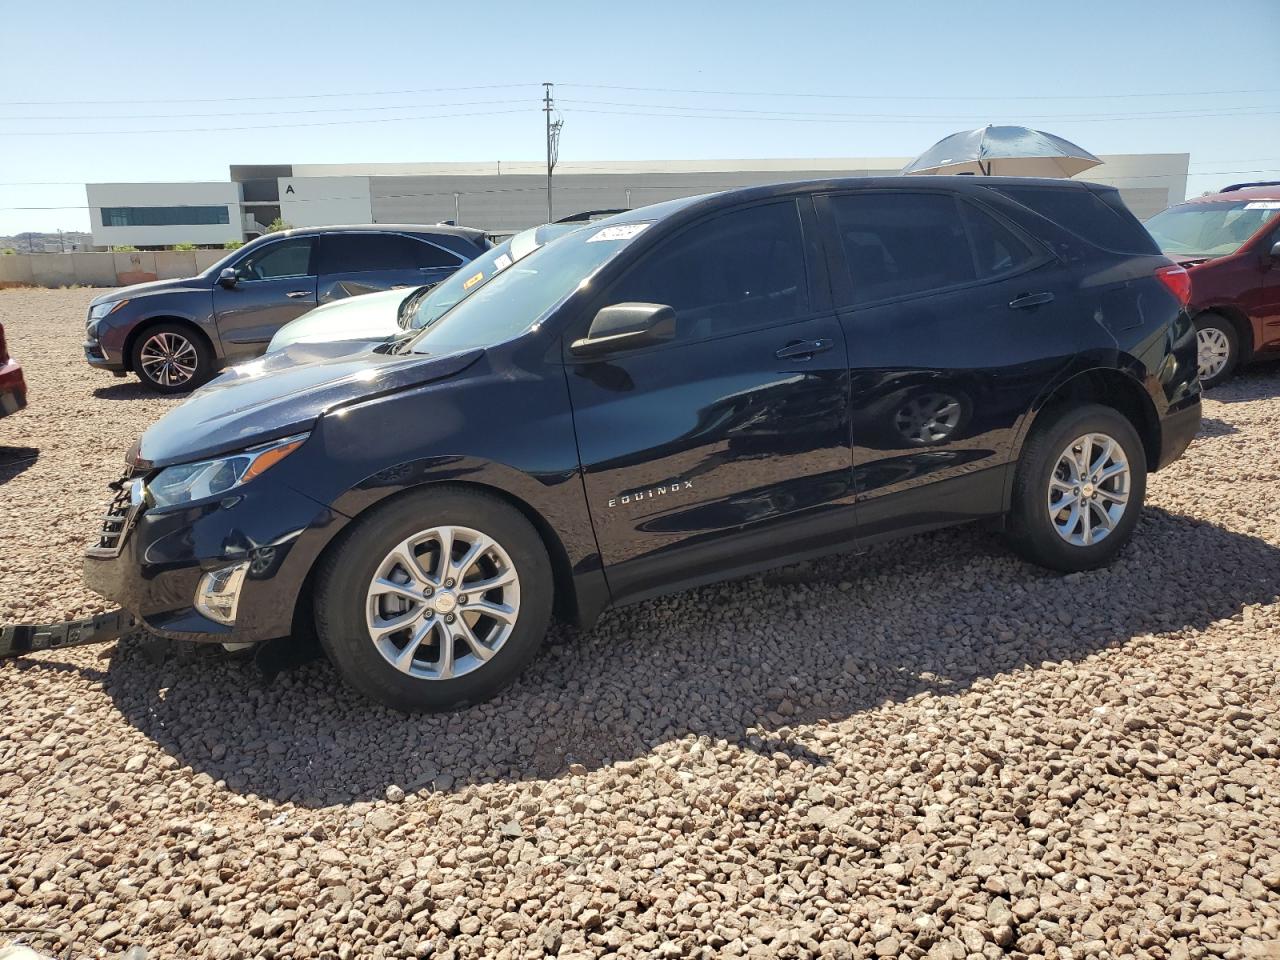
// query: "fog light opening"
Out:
[218,594]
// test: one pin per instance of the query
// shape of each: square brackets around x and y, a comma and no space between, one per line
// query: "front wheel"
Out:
[437,600]
[171,358]
[1217,348]
[1079,490]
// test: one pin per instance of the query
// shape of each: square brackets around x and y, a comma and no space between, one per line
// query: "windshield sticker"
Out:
[624,231]
[502,262]
[1262,205]
[473,280]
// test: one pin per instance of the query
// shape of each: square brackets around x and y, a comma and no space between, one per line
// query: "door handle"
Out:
[1025,300]
[295,294]
[804,349]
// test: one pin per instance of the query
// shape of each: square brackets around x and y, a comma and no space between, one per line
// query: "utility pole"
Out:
[553,142]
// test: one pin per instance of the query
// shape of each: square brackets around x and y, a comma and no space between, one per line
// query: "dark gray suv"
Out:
[175,333]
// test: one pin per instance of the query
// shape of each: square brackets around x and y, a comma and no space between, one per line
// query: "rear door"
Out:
[956,320]
[729,446]
[276,283]
[365,261]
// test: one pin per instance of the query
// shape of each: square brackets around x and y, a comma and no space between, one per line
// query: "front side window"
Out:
[899,244]
[1210,229]
[285,258]
[737,271]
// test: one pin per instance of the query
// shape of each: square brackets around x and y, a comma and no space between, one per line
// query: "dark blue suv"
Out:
[682,393]
[175,333]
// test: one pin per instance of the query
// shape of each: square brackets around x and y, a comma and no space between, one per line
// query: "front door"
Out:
[955,320]
[728,447]
[275,283]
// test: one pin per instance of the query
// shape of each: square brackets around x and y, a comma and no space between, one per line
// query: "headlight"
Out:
[210,478]
[100,310]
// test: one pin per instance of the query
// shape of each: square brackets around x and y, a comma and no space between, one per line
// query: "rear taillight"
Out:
[1177,280]
[4,349]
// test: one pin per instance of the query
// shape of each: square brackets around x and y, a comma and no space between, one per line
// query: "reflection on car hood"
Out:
[277,395]
[370,316]
[146,289]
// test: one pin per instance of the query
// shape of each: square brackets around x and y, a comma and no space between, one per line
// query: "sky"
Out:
[97,92]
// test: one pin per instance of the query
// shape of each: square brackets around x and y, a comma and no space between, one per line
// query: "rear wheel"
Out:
[1079,489]
[171,358]
[1217,348]
[435,601]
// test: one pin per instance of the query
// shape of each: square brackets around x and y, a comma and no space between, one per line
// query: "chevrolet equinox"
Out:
[678,394]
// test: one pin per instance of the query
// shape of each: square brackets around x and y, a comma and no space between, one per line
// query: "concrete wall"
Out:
[212,193]
[102,269]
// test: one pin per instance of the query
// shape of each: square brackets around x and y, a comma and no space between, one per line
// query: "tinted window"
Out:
[897,244]
[429,255]
[163,216]
[743,269]
[996,248]
[362,252]
[284,258]
[1106,223]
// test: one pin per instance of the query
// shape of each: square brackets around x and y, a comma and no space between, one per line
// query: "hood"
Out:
[146,289]
[370,316]
[276,396]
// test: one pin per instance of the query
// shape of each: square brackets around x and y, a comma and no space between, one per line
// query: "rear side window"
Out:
[363,252]
[741,270]
[900,244]
[1102,219]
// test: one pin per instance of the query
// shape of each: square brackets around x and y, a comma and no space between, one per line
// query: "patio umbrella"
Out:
[1004,151]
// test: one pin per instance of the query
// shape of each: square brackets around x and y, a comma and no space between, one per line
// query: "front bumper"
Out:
[96,355]
[1178,427]
[163,555]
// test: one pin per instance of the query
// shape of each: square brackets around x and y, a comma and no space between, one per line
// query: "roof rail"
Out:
[1254,183]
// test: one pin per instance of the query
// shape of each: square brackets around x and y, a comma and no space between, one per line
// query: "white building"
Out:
[162,214]
[499,196]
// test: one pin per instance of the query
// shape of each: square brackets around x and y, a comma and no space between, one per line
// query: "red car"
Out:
[1230,244]
[13,389]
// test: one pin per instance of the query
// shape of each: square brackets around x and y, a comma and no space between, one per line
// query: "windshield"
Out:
[1210,229]
[519,297]
[483,268]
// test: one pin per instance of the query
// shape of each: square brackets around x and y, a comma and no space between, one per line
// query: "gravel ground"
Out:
[933,749]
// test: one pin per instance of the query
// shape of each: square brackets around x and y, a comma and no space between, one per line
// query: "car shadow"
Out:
[932,614]
[1213,427]
[14,460]
[124,390]
[1252,381]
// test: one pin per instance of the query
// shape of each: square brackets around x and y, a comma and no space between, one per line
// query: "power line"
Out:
[868,96]
[293,96]
[260,126]
[798,119]
[263,113]
[1231,111]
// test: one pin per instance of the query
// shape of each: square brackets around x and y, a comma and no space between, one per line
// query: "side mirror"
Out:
[228,278]
[1275,252]
[625,326]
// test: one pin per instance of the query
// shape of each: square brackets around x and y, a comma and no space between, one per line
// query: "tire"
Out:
[350,606]
[171,358]
[1044,471]
[1217,348]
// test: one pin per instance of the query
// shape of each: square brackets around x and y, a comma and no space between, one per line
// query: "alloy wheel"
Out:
[1213,350]
[443,602]
[1089,489]
[169,359]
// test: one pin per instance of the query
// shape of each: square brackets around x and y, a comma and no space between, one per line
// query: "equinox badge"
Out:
[675,486]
